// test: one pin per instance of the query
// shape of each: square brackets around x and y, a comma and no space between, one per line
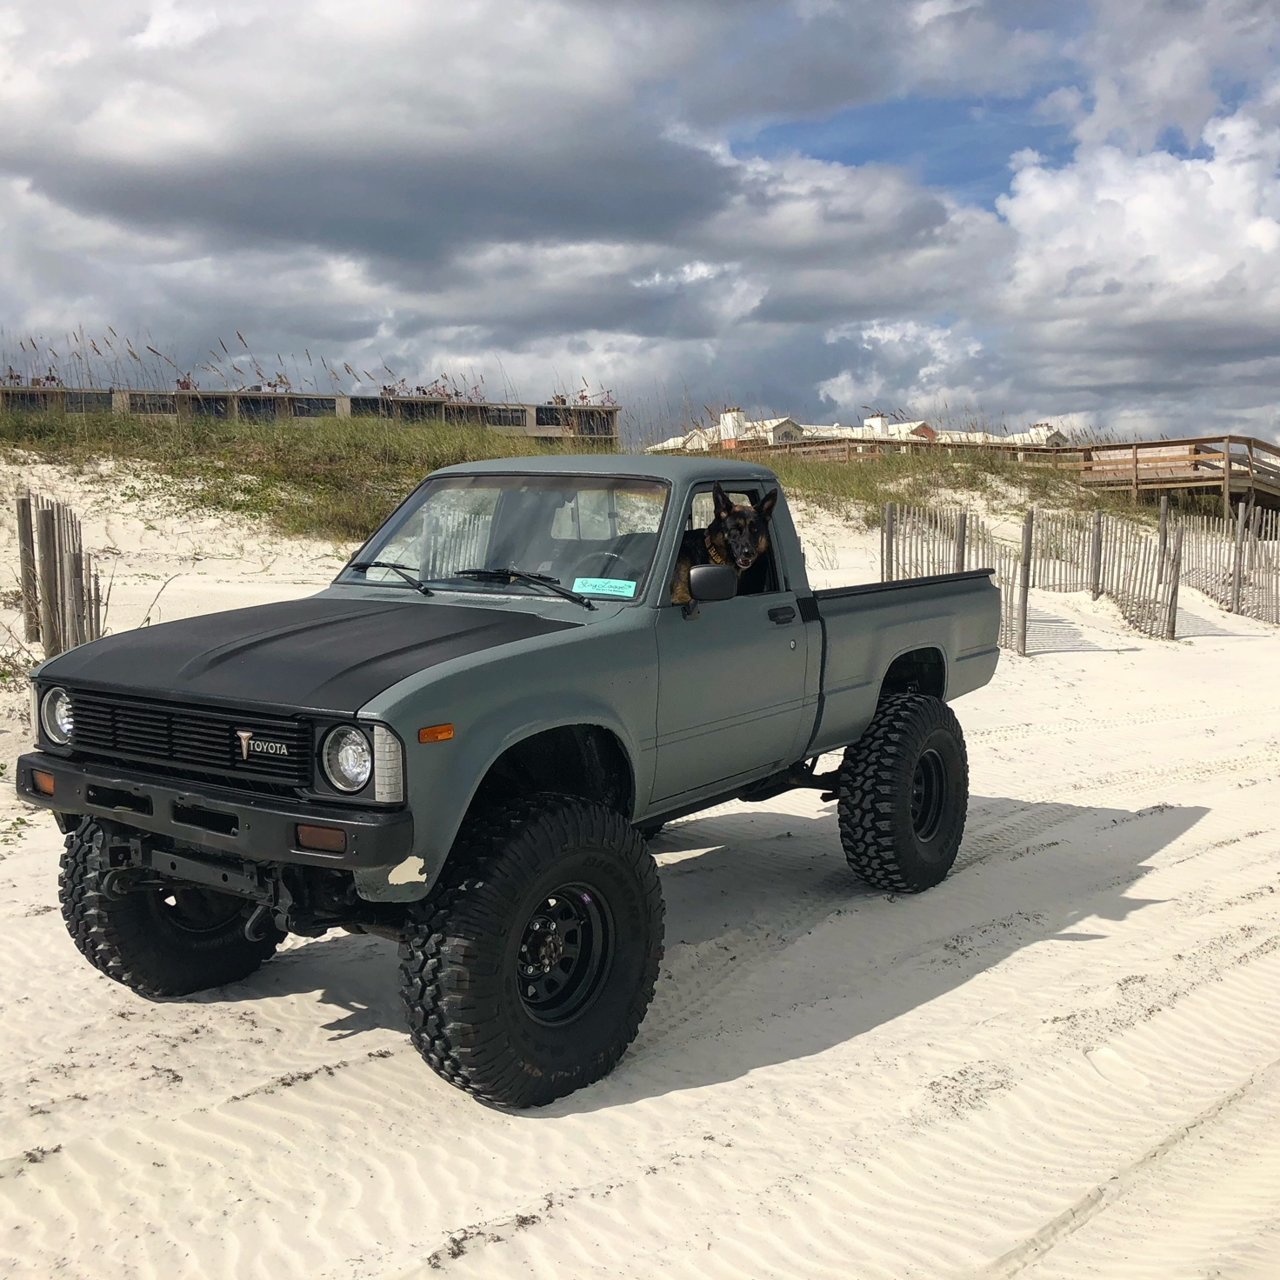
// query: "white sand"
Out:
[1064,1061]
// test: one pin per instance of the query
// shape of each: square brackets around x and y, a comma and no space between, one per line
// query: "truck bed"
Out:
[951,619]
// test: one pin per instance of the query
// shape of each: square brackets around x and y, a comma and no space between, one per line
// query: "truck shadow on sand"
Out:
[774,951]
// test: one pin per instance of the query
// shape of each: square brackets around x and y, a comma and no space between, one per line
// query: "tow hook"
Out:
[255,927]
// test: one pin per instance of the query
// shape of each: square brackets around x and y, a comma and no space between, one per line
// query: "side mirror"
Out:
[710,582]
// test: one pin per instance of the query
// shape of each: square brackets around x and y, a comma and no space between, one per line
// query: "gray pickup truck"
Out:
[466,740]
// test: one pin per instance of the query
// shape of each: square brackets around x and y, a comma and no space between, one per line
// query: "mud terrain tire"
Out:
[526,973]
[903,793]
[156,943]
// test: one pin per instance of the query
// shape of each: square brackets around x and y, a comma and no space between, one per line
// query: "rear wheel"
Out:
[903,794]
[157,942]
[526,974]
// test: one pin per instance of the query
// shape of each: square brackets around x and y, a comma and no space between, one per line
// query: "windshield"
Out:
[595,535]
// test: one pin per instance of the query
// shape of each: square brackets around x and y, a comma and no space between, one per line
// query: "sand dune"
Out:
[1063,1062]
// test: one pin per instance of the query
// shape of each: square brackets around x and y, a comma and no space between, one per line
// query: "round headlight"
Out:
[348,759]
[55,716]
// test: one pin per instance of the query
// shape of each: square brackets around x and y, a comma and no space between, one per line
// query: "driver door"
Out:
[731,682]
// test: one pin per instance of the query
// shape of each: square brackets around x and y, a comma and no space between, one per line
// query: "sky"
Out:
[970,211]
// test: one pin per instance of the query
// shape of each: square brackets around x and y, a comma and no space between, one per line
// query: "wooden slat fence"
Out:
[985,551]
[1235,562]
[1098,553]
[62,600]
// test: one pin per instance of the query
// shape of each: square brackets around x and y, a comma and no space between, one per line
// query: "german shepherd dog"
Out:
[738,535]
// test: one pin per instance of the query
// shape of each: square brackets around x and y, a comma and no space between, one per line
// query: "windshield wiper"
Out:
[522,575]
[402,569]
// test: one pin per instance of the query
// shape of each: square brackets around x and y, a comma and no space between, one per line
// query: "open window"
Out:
[762,577]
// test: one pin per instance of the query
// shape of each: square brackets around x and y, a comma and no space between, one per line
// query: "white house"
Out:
[1042,435]
[880,426]
[735,429]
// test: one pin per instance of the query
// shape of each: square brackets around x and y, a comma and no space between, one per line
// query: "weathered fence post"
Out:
[27,570]
[1163,537]
[77,615]
[1095,557]
[1175,572]
[1024,583]
[97,604]
[46,540]
[1237,563]
[962,522]
[887,559]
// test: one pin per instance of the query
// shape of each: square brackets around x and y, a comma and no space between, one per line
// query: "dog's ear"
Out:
[721,500]
[766,504]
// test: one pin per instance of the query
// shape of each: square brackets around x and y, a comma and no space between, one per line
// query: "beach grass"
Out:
[323,477]
[338,478]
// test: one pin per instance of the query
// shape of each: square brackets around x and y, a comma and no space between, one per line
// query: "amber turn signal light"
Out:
[42,782]
[436,733]
[323,839]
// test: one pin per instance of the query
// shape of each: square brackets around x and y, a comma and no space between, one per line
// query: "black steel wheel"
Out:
[928,794]
[565,953]
[527,972]
[903,794]
[157,942]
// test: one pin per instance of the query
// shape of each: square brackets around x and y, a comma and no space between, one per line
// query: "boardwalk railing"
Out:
[62,601]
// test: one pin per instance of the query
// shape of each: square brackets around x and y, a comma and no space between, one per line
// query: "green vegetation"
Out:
[929,477]
[339,477]
[325,477]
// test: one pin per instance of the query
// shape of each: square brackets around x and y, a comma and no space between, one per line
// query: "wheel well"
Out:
[920,671]
[578,760]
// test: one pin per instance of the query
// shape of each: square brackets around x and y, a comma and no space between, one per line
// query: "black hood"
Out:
[325,653]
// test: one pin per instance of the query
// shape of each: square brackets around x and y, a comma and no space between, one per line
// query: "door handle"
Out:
[783,614]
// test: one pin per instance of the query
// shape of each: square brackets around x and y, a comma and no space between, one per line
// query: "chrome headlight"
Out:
[56,717]
[347,758]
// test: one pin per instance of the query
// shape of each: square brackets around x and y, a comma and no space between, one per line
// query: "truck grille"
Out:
[192,740]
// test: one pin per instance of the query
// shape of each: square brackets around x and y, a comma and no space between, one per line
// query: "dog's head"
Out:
[740,530]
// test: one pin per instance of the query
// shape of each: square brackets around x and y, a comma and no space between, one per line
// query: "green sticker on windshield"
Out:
[619,587]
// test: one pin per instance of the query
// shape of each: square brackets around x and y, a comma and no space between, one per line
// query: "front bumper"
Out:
[259,829]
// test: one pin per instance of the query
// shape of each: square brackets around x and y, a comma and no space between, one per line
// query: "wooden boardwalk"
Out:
[1233,468]
[1236,468]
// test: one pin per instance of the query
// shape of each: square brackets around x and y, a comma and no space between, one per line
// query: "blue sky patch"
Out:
[961,144]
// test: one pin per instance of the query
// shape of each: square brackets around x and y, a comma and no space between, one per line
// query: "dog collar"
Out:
[714,552]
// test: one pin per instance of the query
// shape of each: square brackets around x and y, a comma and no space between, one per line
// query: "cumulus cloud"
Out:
[565,189]
[1156,66]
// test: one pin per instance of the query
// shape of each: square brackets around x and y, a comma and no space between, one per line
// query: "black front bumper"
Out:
[259,829]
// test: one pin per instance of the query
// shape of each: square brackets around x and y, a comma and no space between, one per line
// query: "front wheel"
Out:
[903,791]
[527,972]
[157,942]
